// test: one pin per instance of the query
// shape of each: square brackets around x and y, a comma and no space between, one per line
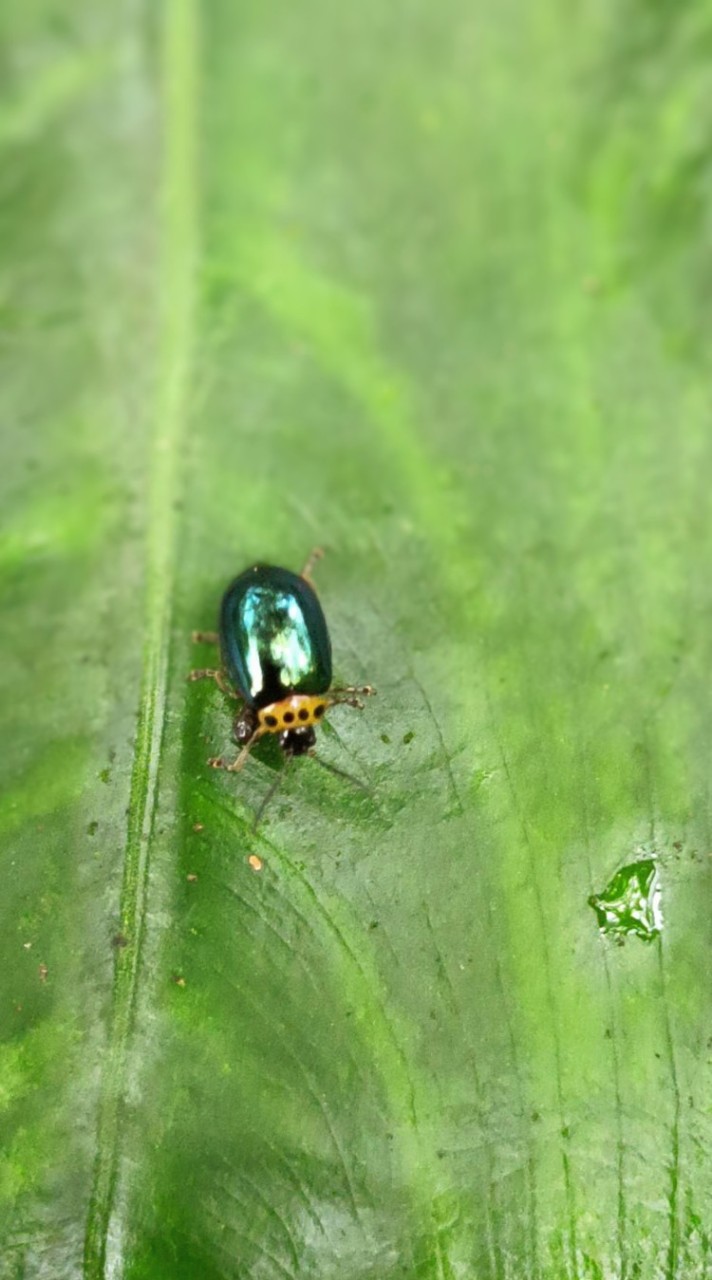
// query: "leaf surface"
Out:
[427,287]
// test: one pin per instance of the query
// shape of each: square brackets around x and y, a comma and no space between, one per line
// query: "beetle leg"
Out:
[204,637]
[212,673]
[204,673]
[366,689]
[314,557]
[244,734]
[348,696]
[234,766]
[224,687]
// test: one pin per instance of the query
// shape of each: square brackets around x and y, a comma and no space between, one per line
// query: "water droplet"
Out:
[630,902]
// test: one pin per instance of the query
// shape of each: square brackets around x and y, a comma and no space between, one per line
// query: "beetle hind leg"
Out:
[315,555]
[204,637]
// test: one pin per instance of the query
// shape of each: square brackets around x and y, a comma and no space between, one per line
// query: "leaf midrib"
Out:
[178,231]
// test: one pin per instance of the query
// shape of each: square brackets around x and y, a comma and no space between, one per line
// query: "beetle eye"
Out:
[244,727]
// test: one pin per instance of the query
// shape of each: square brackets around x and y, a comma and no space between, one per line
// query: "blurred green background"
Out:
[428,285]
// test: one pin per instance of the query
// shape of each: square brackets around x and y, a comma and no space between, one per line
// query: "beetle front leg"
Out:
[234,766]
[349,696]
[246,731]
[204,637]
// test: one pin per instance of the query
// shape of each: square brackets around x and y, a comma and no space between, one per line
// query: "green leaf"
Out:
[428,287]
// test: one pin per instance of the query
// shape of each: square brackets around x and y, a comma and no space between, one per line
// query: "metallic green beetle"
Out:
[276,657]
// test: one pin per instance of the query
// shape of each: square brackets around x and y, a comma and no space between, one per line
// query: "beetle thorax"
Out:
[298,711]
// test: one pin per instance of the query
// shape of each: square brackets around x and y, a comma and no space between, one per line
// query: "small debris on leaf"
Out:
[630,902]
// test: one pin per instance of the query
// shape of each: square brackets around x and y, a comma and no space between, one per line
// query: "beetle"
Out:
[275,655]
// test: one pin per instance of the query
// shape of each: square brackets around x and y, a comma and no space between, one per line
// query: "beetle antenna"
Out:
[340,773]
[271,793]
